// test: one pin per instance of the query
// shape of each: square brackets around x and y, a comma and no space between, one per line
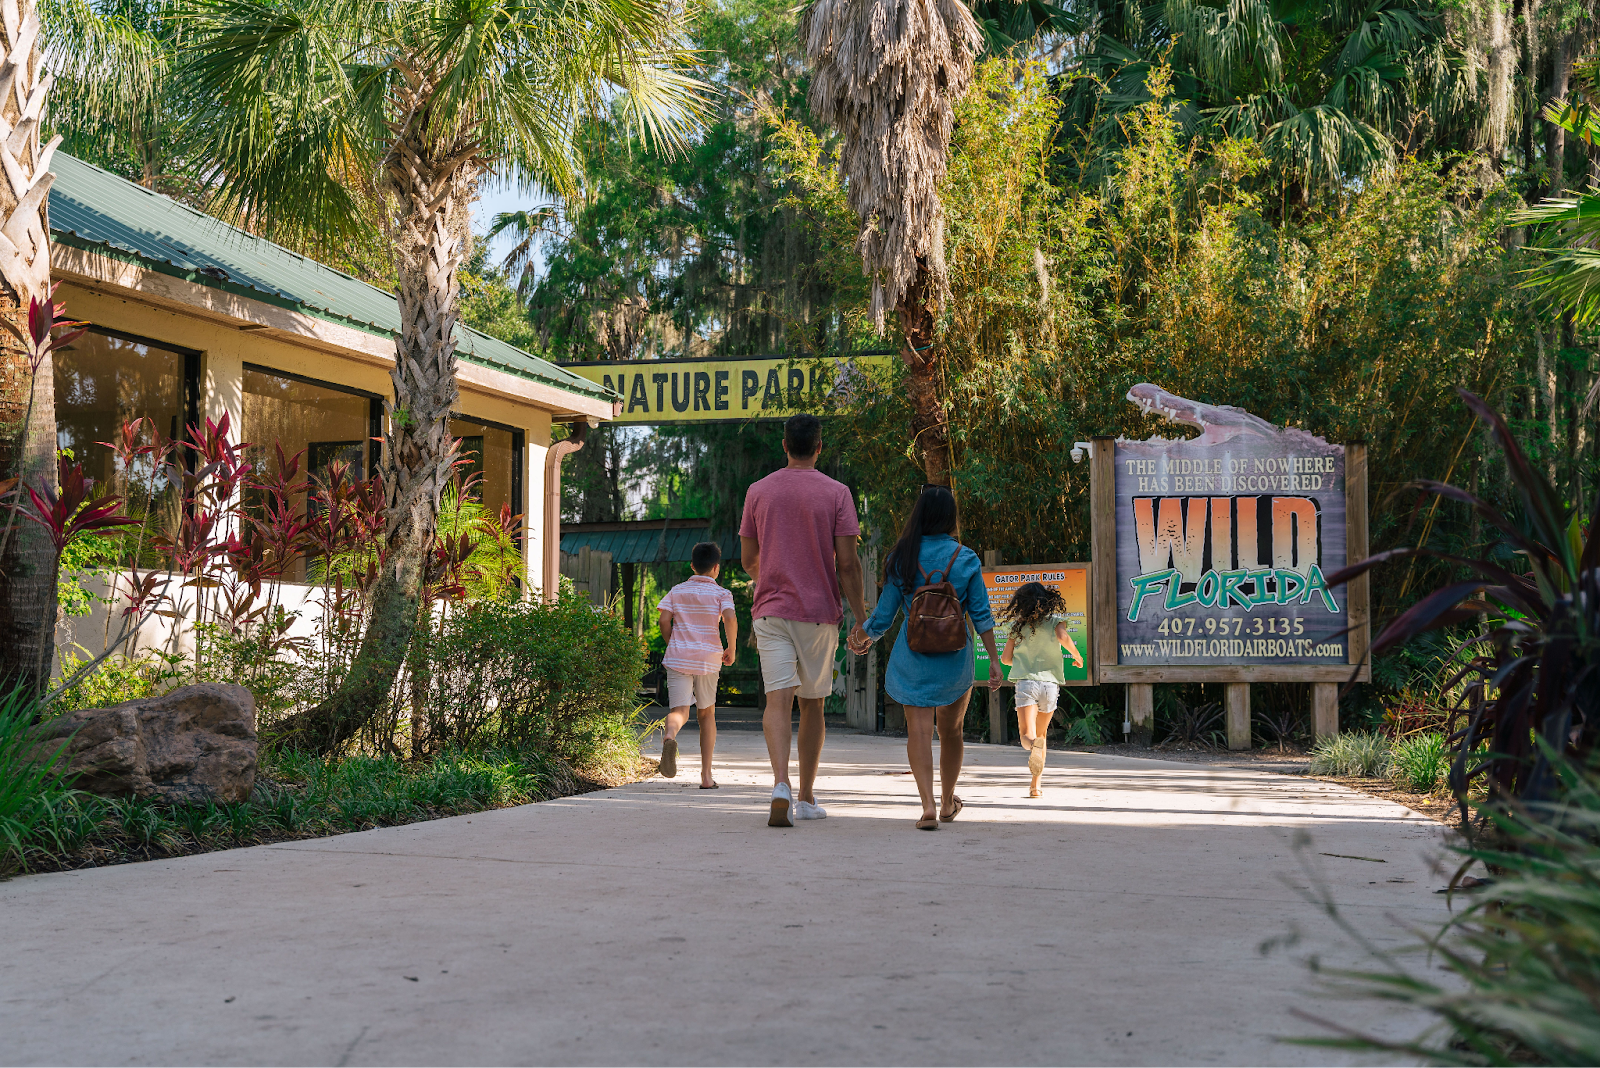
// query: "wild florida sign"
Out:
[1224,541]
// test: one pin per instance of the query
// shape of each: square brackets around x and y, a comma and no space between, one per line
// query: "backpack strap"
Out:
[947,567]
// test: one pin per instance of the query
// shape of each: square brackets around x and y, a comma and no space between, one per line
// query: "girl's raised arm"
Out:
[1064,636]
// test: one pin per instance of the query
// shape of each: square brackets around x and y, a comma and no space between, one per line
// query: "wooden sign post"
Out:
[1210,561]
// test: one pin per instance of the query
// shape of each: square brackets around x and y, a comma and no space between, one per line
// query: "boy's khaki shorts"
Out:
[797,654]
[698,690]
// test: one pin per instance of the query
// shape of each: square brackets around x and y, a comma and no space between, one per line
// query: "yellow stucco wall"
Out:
[226,349]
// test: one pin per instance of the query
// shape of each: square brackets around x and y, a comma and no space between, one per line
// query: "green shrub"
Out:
[1521,960]
[258,660]
[1419,763]
[1087,729]
[28,788]
[1364,754]
[120,678]
[558,678]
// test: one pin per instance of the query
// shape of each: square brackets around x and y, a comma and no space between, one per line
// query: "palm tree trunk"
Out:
[27,394]
[1530,84]
[1555,137]
[923,362]
[434,189]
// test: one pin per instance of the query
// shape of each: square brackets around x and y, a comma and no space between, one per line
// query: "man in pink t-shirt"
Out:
[798,545]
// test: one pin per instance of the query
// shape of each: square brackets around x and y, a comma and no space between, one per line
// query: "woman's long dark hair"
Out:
[934,513]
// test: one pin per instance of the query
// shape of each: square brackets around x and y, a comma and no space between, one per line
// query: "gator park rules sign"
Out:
[1224,541]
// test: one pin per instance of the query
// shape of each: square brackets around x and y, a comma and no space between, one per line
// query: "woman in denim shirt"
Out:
[933,687]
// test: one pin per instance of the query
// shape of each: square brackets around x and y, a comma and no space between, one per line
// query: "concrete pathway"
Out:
[1114,921]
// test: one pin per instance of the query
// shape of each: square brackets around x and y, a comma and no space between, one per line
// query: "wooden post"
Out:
[1325,709]
[627,596]
[1238,715]
[1103,551]
[1357,597]
[999,721]
[1141,712]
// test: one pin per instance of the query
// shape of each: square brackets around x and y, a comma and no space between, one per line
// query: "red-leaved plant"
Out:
[1531,677]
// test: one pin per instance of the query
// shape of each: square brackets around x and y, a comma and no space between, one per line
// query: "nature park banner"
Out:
[1069,580]
[1224,543]
[711,390]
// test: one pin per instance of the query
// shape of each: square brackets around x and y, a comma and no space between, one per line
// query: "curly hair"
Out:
[1030,606]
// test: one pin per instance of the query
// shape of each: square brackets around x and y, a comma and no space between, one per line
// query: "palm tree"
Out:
[1567,278]
[115,101]
[528,227]
[1333,90]
[887,74]
[317,108]
[27,388]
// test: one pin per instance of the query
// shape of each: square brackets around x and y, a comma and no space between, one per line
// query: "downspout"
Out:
[552,506]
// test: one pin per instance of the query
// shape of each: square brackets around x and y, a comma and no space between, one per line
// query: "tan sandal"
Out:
[953,812]
[929,824]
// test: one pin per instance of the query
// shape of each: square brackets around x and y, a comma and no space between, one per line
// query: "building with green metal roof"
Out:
[192,318]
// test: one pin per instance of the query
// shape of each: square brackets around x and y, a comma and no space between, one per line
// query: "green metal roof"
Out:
[94,210]
[644,543]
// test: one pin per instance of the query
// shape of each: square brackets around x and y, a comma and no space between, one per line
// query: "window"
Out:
[103,381]
[331,424]
[494,453]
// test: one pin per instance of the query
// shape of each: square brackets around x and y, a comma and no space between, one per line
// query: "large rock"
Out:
[195,744]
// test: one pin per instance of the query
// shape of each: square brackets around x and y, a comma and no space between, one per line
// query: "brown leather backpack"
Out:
[935,622]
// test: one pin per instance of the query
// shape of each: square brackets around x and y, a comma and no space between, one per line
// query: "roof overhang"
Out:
[119,278]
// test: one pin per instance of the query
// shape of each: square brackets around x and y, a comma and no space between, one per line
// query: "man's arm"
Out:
[848,564]
[665,619]
[750,559]
[730,626]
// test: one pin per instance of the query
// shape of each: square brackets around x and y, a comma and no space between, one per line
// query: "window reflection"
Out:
[103,382]
[489,453]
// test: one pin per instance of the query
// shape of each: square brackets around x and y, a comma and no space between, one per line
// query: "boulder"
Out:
[195,744]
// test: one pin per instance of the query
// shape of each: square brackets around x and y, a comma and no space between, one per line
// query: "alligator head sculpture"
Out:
[1218,422]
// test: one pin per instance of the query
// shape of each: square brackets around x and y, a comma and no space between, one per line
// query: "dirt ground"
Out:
[1440,808]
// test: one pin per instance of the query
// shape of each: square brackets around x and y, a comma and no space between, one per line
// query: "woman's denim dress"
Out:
[928,680]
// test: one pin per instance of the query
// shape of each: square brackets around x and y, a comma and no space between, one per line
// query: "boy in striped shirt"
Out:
[695,655]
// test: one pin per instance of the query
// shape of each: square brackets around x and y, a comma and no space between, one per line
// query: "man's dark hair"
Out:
[802,434]
[705,556]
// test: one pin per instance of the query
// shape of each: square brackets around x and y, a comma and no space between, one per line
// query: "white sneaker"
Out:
[782,802]
[805,810]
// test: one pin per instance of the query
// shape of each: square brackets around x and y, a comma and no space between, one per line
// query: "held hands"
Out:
[728,657]
[858,642]
[994,680]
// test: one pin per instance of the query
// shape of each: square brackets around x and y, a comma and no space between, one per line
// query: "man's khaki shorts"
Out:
[797,654]
[698,690]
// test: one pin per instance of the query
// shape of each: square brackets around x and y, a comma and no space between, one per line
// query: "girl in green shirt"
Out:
[1036,618]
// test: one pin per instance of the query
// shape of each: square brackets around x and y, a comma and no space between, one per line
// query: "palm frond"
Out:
[1568,245]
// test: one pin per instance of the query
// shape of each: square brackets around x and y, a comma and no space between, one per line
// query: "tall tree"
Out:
[887,75]
[27,389]
[318,107]
[1333,90]
[115,102]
